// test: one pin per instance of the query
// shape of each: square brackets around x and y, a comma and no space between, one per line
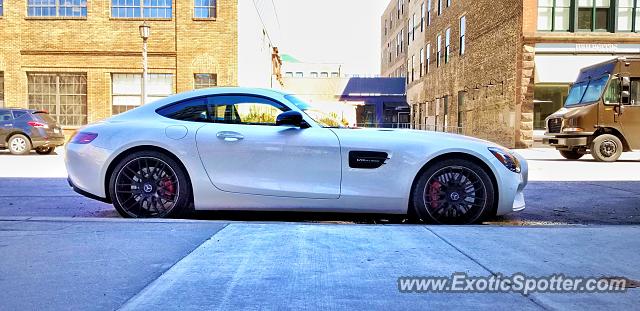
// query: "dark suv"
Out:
[24,129]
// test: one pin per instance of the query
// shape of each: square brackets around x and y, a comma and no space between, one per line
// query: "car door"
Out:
[243,151]
[6,124]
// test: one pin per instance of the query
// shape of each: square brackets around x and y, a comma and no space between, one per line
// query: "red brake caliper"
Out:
[434,193]
[169,189]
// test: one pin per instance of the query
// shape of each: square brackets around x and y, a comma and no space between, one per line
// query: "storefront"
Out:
[557,66]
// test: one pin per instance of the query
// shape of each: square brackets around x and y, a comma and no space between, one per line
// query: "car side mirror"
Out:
[293,118]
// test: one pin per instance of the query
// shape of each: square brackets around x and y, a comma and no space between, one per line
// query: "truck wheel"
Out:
[571,154]
[606,148]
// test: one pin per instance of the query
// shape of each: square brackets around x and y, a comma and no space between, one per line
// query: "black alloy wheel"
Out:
[454,191]
[149,185]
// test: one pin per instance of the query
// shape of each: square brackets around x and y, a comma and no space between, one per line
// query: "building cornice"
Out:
[604,37]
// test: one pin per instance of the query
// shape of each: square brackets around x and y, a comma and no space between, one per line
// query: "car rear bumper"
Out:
[86,168]
[39,142]
[85,193]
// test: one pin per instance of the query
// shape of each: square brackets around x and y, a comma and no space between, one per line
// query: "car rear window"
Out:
[18,114]
[43,116]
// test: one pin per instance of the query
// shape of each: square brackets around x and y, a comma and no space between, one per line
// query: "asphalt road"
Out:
[559,192]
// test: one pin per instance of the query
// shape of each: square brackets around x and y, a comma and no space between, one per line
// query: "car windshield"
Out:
[321,117]
[586,91]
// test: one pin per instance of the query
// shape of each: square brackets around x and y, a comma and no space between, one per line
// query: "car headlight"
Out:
[508,159]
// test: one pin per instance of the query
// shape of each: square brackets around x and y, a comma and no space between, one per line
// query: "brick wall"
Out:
[100,45]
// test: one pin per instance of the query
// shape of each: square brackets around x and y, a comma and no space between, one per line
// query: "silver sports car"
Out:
[259,149]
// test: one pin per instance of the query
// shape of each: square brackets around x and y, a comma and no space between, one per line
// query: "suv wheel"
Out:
[606,148]
[454,191]
[19,144]
[571,154]
[149,184]
[45,150]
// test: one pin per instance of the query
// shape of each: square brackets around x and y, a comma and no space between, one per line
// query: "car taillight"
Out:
[37,124]
[83,138]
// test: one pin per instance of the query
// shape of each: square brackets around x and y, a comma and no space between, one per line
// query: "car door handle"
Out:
[230,136]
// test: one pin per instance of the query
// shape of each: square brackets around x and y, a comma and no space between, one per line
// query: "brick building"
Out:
[81,59]
[495,69]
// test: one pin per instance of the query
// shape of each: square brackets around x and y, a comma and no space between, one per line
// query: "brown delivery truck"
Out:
[601,114]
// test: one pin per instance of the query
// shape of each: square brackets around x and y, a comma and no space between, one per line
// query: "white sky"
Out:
[332,31]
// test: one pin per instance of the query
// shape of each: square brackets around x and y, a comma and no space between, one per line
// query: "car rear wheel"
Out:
[45,150]
[454,191]
[149,184]
[19,144]
[571,154]
[606,148]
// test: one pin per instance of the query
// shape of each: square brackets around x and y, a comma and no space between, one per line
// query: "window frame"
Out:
[215,10]
[463,35]
[57,94]
[197,85]
[428,58]
[439,51]
[422,16]
[572,8]
[1,8]
[447,45]
[611,16]
[421,62]
[142,8]
[634,17]
[58,6]
[149,95]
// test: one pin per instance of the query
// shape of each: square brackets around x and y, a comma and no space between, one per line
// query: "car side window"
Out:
[5,115]
[19,114]
[194,110]
[250,110]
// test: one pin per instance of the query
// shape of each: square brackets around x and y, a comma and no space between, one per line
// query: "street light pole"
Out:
[145,31]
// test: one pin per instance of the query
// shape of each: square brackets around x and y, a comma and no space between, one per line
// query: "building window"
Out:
[428,62]
[315,74]
[421,62]
[299,74]
[204,9]
[56,8]
[460,124]
[439,7]
[141,8]
[409,32]
[439,51]
[447,45]
[554,15]
[413,30]
[63,95]
[593,15]
[399,6]
[126,90]
[628,15]
[205,80]
[448,3]
[288,74]
[422,12]
[335,75]
[463,34]
[1,7]
[385,27]
[428,12]
[324,75]
[401,40]
[413,68]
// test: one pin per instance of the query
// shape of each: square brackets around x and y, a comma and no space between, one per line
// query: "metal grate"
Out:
[554,125]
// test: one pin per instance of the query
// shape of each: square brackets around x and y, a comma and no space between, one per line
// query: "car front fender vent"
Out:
[367,159]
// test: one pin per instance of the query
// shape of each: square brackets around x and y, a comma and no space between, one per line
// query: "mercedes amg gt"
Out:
[260,149]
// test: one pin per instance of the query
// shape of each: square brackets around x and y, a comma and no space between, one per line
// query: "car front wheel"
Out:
[149,184]
[454,191]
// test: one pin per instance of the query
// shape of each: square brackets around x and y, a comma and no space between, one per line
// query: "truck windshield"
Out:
[586,91]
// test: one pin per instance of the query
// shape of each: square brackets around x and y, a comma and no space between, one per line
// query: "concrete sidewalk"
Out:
[68,263]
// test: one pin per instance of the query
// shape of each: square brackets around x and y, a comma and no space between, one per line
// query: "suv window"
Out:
[19,113]
[5,115]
